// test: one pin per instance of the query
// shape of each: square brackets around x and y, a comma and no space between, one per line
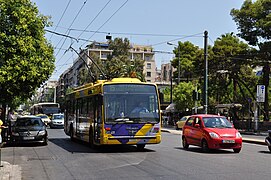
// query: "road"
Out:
[64,159]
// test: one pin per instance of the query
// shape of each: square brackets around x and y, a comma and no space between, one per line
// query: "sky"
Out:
[143,22]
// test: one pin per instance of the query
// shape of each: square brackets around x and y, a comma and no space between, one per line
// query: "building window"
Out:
[148,65]
[148,58]
[148,74]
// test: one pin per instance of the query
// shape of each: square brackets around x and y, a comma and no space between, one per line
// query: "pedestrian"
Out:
[1,126]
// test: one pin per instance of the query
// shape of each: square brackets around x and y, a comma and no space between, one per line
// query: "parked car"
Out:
[44,118]
[57,121]
[211,132]
[29,129]
[181,122]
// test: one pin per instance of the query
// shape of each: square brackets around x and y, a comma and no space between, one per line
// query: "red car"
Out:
[211,132]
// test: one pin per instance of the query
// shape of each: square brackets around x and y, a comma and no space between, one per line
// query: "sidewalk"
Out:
[248,137]
[9,171]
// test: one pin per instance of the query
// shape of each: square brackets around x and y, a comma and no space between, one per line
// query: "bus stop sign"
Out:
[260,93]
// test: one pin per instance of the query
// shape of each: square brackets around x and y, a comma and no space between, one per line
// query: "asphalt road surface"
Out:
[67,160]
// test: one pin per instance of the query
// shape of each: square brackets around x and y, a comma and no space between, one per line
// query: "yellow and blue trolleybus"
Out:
[107,113]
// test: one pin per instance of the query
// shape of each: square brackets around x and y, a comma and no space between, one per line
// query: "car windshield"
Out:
[216,122]
[59,116]
[44,117]
[28,122]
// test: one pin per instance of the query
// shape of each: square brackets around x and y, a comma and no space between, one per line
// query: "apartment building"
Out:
[70,78]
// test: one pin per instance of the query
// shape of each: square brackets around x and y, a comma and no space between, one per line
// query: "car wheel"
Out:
[237,150]
[177,127]
[45,141]
[204,146]
[185,144]
[269,147]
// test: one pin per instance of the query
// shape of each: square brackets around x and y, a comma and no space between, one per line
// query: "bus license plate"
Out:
[228,141]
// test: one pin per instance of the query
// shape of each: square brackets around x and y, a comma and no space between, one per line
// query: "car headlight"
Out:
[238,135]
[213,135]
[42,133]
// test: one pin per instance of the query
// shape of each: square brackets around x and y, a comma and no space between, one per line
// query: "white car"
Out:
[57,121]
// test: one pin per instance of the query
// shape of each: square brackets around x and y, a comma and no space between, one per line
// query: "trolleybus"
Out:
[102,113]
[48,108]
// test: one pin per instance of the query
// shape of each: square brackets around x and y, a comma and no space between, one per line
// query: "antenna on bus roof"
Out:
[91,74]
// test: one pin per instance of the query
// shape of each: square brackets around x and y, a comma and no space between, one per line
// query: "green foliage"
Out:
[119,64]
[253,20]
[183,96]
[26,57]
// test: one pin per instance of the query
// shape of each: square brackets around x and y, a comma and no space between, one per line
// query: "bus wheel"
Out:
[71,133]
[140,147]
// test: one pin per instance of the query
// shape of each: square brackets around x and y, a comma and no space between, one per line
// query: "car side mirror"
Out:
[197,126]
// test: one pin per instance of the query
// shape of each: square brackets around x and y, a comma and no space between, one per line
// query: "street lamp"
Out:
[171,44]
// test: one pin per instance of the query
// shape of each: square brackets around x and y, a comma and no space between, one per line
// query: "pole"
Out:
[54,94]
[179,65]
[171,86]
[0,156]
[205,73]
[256,116]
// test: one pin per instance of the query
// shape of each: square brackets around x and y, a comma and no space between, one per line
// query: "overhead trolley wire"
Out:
[194,35]
[67,32]
[61,17]
[85,30]
[107,21]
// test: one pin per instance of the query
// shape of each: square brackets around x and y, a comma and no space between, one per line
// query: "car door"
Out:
[197,130]
[188,130]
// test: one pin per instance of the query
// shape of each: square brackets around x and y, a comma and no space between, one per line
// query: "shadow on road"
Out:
[212,151]
[78,146]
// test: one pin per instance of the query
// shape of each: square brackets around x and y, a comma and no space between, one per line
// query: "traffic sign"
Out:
[260,93]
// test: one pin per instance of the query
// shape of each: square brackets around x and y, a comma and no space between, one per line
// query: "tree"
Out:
[254,23]
[228,65]
[188,58]
[183,96]
[119,63]
[26,56]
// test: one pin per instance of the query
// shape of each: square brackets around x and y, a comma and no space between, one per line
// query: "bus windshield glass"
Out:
[131,103]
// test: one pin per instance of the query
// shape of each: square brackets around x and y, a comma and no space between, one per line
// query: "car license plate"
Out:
[28,138]
[132,140]
[228,141]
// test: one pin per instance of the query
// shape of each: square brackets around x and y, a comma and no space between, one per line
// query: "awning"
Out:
[170,108]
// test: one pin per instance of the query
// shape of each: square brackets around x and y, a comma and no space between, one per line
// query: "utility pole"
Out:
[171,86]
[179,63]
[205,73]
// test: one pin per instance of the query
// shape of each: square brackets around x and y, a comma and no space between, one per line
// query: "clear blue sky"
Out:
[143,22]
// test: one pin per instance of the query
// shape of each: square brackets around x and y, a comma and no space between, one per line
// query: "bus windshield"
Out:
[131,103]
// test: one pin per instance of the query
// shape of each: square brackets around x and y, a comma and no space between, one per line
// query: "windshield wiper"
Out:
[124,119]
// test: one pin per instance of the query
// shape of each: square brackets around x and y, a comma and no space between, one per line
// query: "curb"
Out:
[247,140]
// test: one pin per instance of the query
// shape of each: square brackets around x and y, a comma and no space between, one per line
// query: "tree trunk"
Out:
[266,72]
